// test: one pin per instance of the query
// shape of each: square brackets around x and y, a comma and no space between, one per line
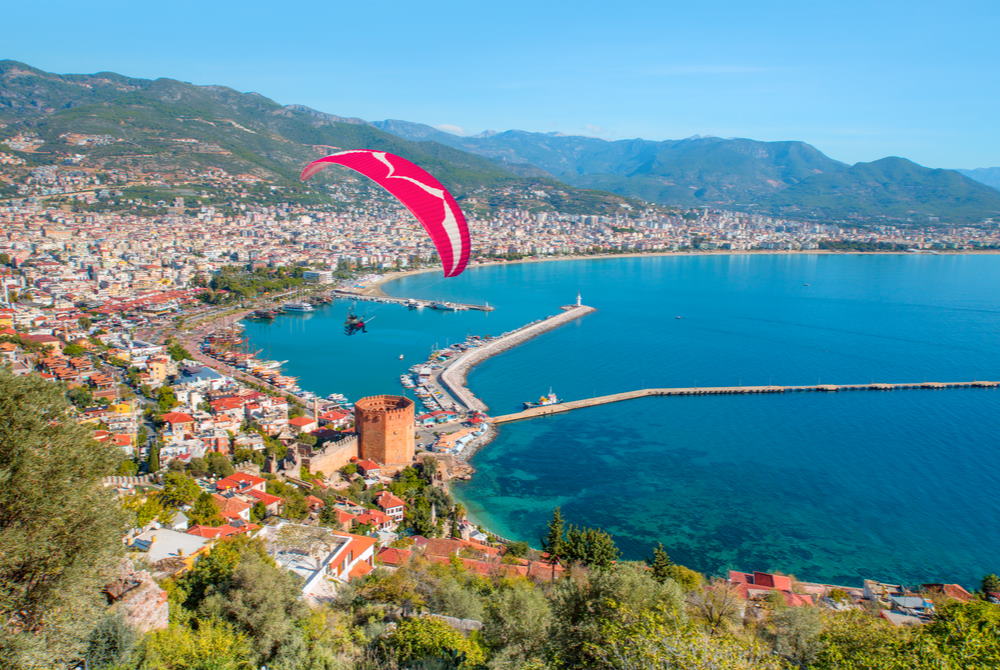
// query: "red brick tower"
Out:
[385,429]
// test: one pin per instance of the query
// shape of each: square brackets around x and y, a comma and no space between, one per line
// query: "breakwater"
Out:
[731,390]
[453,377]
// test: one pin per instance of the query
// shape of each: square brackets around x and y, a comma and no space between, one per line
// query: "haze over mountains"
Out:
[165,124]
[789,178]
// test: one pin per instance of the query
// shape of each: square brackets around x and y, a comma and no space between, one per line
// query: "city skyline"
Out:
[857,82]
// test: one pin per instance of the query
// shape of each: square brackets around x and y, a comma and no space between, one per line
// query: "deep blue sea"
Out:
[897,486]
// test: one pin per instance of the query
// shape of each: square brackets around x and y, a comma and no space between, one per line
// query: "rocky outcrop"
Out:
[136,596]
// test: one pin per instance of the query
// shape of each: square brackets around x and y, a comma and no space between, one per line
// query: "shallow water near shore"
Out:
[837,487]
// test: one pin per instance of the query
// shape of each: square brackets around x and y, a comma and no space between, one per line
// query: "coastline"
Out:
[376,287]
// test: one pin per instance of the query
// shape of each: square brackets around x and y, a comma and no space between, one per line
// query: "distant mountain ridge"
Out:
[787,178]
[152,122]
[986,175]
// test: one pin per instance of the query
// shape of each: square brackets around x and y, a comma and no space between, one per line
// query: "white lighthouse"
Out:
[578,299]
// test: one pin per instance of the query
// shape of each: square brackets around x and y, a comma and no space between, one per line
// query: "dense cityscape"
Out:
[125,303]
[746,422]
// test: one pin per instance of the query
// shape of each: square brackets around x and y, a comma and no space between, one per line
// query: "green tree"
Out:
[258,512]
[127,468]
[60,528]
[74,350]
[592,547]
[219,464]
[85,322]
[655,640]
[686,578]
[205,512]
[990,584]
[81,397]
[717,606]
[110,644]
[796,632]
[213,572]
[552,543]
[660,563]
[965,635]
[166,399]
[516,628]
[177,352]
[213,645]
[588,603]
[262,600]
[179,489]
[855,640]
[153,459]
[429,639]
[197,467]
[518,549]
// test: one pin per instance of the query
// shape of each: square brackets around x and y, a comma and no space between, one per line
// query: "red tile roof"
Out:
[393,556]
[387,499]
[239,480]
[264,497]
[221,531]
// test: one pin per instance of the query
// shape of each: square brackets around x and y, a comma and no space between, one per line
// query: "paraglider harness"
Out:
[354,324]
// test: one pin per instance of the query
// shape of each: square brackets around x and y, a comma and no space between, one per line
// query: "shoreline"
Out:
[376,287]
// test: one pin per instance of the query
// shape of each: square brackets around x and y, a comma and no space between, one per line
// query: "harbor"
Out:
[453,377]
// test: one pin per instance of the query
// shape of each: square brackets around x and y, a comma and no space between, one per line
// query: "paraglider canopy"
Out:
[419,192]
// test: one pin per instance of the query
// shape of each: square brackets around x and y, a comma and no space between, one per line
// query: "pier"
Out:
[452,378]
[408,302]
[732,390]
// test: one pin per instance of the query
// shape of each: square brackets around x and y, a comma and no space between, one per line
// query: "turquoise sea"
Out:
[897,486]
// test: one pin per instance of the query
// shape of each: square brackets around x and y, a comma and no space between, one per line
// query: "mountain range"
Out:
[788,178]
[165,125]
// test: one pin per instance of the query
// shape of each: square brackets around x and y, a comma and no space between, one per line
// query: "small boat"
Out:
[401,357]
[678,317]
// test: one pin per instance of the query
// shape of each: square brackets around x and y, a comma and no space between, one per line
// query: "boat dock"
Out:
[409,302]
[452,378]
[733,390]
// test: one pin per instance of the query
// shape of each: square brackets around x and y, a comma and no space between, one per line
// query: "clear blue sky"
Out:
[860,80]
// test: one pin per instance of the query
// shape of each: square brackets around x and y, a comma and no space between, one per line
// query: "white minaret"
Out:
[578,303]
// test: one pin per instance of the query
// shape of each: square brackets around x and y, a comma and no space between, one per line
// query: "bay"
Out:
[835,487]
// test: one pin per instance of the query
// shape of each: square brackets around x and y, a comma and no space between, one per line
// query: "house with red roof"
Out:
[232,508]
[272,503]
[391,505]
[177,426]
[241,482]
[393,557]
[376,519]
[757,586]
[369,468]
[226,530]
[336,418]
[303,424]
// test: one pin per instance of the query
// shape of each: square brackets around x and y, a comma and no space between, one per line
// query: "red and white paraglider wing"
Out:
[419,192]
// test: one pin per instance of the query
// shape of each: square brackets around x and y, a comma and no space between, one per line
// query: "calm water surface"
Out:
[893,485]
